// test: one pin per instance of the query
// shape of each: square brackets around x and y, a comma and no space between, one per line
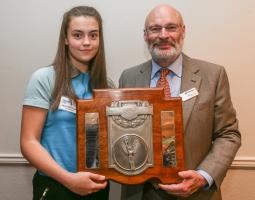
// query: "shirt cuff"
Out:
[207,177]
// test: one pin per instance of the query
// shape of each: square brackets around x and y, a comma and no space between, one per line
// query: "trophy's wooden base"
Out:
[131,156]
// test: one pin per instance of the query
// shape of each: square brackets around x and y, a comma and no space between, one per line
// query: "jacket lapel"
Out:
[190,79]
[144,77]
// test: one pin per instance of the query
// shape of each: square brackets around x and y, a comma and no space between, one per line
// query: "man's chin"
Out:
[164,55]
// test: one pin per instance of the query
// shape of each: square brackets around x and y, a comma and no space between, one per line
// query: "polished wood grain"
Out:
[155,96]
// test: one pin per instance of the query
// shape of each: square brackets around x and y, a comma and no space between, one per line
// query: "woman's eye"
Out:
[94,36]
[77,35]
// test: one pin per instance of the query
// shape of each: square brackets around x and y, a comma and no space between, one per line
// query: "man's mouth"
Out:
[164,45]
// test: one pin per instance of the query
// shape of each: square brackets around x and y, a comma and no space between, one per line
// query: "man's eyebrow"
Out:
[168,24]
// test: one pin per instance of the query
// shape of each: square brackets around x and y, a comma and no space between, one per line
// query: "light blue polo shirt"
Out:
[59,132]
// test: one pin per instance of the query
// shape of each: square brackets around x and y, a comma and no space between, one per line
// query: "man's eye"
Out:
[155,29]
[172,28]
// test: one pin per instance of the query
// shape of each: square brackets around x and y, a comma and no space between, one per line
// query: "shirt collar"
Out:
[75,72]
[175,67]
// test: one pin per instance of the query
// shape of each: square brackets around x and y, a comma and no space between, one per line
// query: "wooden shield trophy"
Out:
[131,135]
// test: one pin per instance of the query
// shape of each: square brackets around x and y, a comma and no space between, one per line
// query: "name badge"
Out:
[67,105]
[189,94]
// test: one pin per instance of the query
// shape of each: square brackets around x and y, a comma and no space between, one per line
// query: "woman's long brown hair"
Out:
[62,64]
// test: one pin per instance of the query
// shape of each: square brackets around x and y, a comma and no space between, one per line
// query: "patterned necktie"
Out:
[162,82]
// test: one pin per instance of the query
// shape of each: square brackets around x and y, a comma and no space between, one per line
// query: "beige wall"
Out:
[239,185]
[16,182]
[220,31]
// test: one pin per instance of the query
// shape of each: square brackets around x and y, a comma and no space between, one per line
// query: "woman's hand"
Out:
[84,183]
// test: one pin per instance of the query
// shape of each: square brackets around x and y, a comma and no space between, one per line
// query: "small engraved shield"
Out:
[130,136]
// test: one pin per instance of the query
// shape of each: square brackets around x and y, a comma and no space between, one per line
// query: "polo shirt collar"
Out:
[75,72]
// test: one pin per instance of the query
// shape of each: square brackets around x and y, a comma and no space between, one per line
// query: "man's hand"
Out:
[192,181]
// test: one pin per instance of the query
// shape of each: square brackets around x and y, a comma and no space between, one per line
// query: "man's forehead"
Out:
[162,16]
[162,20]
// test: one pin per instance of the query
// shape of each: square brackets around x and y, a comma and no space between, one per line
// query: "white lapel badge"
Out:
[189,94]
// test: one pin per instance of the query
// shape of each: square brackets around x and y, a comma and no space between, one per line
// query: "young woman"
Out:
[48,131]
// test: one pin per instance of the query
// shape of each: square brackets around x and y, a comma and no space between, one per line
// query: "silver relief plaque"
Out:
[130,136]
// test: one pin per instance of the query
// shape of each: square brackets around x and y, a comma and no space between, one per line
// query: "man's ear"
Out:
[183,31]
[145,36]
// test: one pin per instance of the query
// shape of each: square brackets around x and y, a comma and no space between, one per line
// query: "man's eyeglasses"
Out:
[170,28]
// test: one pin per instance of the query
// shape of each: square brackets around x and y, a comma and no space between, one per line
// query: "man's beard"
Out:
[165,55]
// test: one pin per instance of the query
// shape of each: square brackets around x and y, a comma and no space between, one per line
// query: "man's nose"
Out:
[163,33]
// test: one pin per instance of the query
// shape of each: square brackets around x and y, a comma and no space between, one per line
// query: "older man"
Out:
[211,128]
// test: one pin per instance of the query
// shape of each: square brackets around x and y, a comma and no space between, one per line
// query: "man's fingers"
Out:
[174,189]
[171,188]
[186,174]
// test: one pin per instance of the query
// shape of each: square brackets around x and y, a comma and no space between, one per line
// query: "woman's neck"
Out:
[81,66]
